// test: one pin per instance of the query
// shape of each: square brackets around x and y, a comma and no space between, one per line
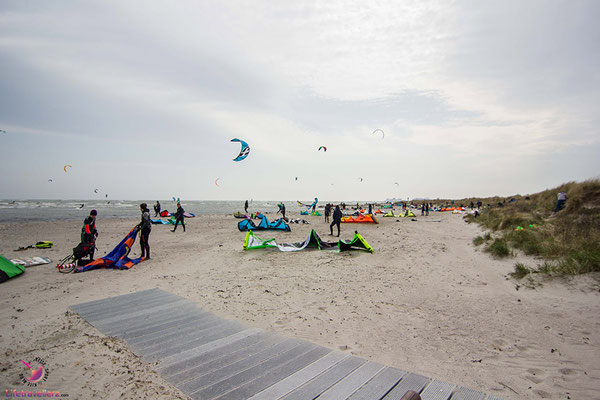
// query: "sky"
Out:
[142,98]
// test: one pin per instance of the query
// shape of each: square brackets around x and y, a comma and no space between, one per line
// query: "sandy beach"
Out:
[427,301]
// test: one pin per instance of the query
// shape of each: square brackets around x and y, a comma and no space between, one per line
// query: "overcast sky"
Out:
[142,98]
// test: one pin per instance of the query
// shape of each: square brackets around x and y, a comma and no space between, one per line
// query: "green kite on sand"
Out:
[9,270]
[312,241]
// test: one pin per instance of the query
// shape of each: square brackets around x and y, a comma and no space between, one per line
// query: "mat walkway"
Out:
[208,357]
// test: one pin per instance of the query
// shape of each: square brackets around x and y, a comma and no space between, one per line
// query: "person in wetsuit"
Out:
[89,233]
[145,226]
[327,212]
[246,207]
[281,209]
[337,220]
[157,209]
[179,217]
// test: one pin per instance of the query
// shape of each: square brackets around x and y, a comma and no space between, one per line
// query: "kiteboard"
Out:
[30,261]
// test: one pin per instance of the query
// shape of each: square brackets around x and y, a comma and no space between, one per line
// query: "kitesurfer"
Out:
[157,209]
[327,211]
[246,207]
[89,233]
[337,220]
[145,226]
[281,209]
[179,217]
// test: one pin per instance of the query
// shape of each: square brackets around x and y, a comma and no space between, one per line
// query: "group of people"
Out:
[89,233]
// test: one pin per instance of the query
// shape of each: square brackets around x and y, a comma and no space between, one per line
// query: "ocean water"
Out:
[51,210]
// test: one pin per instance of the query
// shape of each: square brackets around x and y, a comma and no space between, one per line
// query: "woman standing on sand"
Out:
[145,226]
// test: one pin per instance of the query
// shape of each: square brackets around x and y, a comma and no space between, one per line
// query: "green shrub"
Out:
[478,241]
[521,271]
[498,248]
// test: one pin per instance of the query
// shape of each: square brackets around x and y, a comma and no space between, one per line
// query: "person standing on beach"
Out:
[89,233]
[337,220]
[157,209]
[427,209]
[179,217]
[327,212]
[246,207]
[145,226]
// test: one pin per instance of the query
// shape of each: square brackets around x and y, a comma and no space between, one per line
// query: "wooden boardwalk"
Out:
[208,357]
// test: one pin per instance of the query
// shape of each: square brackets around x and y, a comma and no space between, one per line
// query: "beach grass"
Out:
[568,242]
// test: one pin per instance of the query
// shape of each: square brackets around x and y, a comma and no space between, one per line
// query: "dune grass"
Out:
[568,242]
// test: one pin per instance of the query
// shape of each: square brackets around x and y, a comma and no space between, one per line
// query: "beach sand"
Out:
[427,301]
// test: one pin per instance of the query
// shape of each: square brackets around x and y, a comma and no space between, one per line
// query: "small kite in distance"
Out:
[3,131]
[95,190]
[106,196]
[361,179]
[396,183]
[322,147]
[65,167]
[245,150]
[379,130]
[49,180]
[217,181]
[296,178]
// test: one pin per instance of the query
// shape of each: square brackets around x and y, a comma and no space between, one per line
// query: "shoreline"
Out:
[427,301]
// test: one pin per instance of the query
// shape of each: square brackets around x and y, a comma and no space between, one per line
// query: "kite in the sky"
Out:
[396,183]
[245,150]
[361,179]
[379,130]
[322,147]
[3,131]
[217,181]
[65,167]
[106,196]
[296,178]
[49,180]
[95,190]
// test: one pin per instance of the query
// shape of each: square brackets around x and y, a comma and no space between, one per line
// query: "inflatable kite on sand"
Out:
[312,241]
[365,219]
[118,258]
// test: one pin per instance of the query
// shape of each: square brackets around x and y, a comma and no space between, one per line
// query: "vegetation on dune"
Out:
[568,242]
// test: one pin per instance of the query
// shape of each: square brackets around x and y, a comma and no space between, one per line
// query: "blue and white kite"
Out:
[243,152]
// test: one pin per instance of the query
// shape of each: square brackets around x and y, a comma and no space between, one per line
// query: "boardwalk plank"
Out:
[351,383]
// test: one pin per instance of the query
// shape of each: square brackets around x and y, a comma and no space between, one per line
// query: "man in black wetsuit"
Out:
[179,217]
[89,233]
[246,207]
[281,209]
[145,226]
[157,209]
[337,220]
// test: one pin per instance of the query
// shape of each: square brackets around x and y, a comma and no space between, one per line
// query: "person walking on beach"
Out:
[327,212]
[145,226]
[560,202]
[427,209]
[246,207]
[157,209]
[337,220]
[89,233]
[179,217]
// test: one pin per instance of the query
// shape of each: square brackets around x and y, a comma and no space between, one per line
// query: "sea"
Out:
[52,210]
